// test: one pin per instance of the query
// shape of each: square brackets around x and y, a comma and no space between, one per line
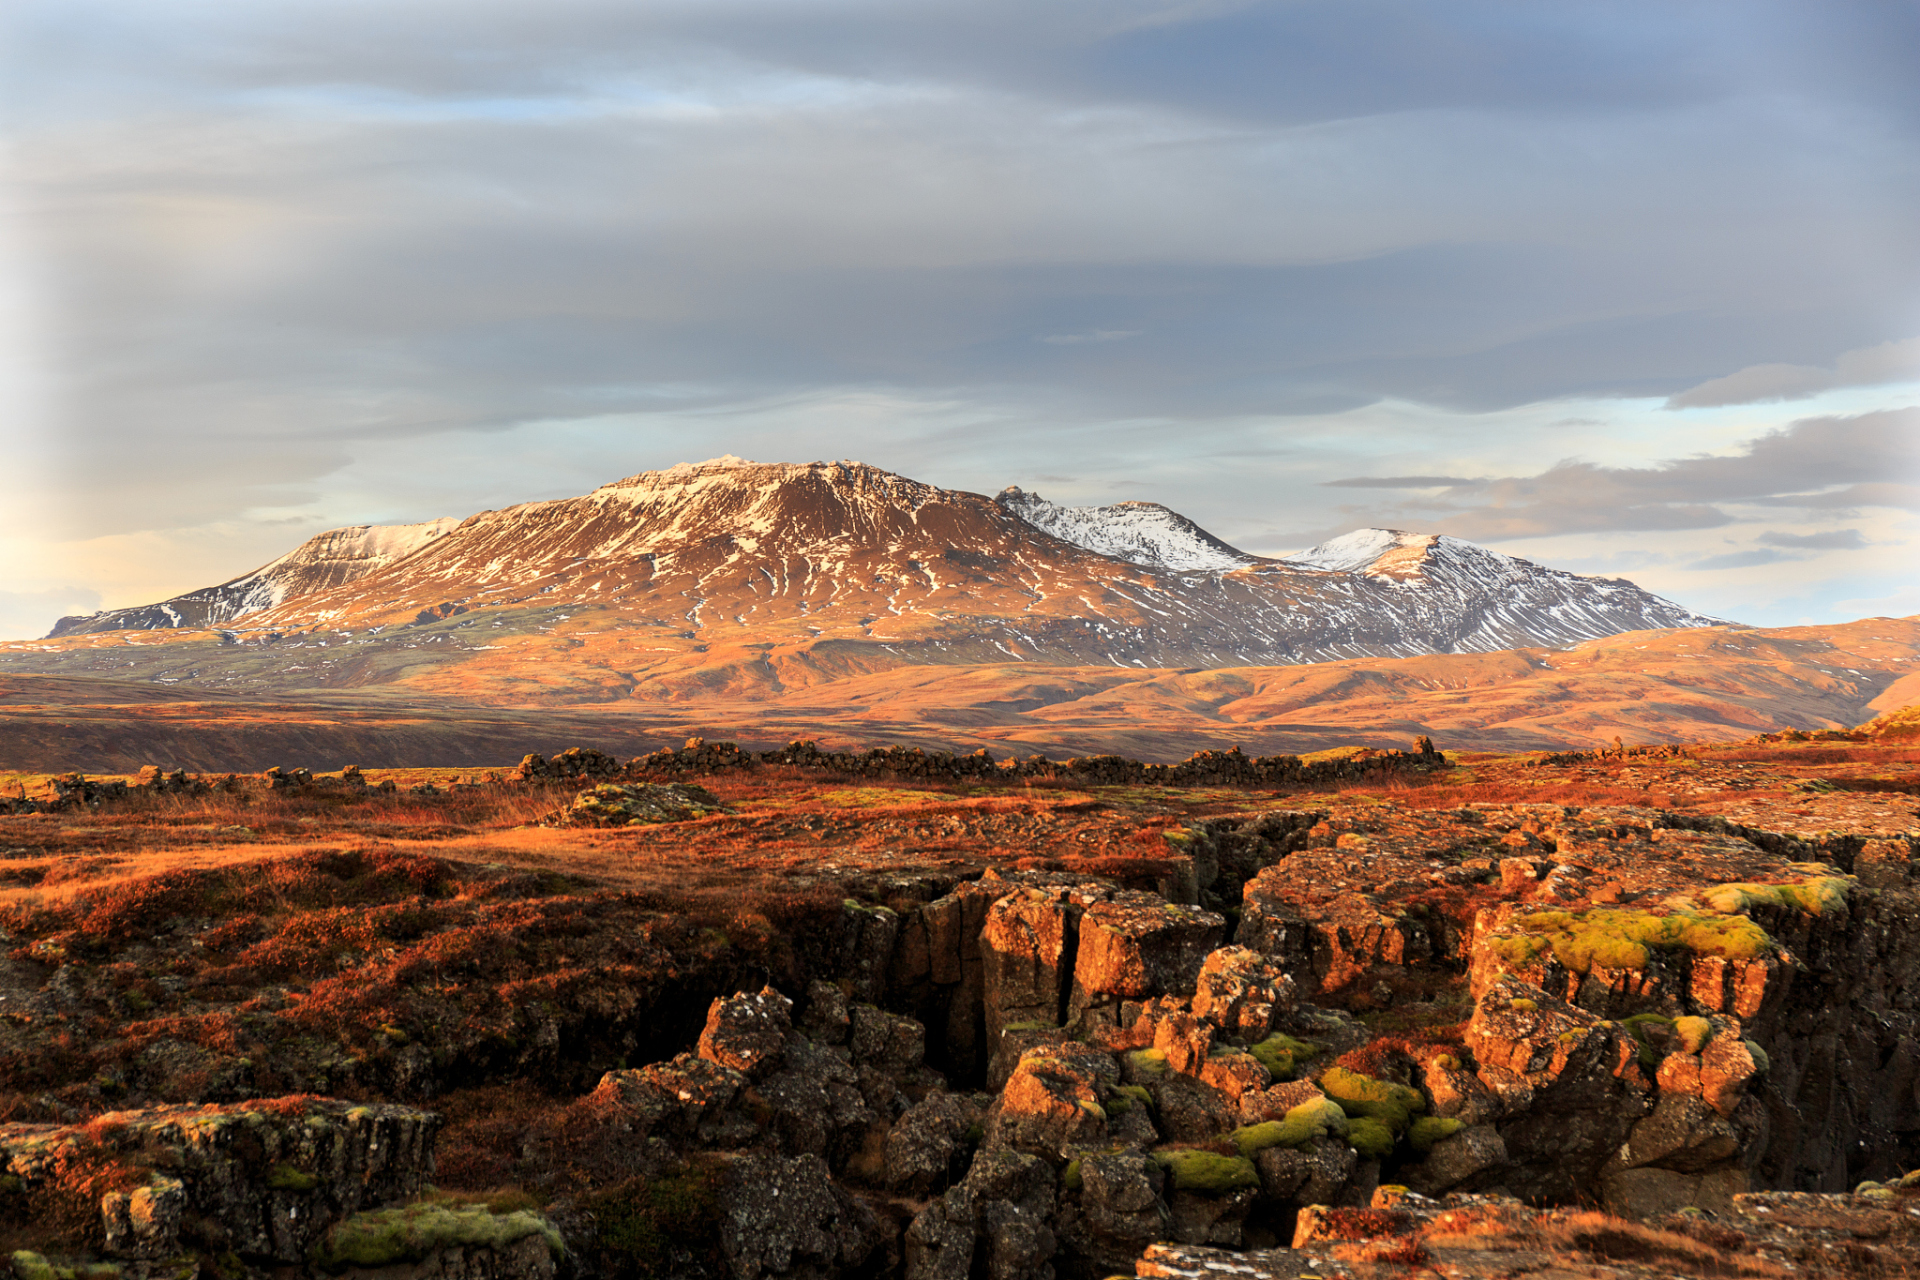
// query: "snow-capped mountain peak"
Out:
[1359,551]
[892,570]
[1143,533]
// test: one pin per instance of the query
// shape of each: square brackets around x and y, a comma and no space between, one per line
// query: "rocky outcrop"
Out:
[613,804]
[263,1181]
[575,764]
[1392,1017]
[1230,768]
[997,1223]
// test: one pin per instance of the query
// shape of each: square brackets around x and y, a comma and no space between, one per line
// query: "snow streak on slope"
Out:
[330,559]
[1140,532]
[1492,600]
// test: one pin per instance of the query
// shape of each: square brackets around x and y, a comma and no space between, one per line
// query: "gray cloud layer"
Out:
[265,235]
[1870,460]
[1887,362]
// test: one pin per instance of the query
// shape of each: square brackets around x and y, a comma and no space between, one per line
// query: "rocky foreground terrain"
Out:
[1641,1012]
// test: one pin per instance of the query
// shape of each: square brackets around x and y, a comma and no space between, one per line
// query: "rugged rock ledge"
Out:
[1310,1039]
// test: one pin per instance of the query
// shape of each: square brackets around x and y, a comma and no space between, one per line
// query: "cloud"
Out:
[1830,540]
[1868,367]
[1098,335]
[1879,494]
[1741,560]
[276,251]
[1849,457]
[1396,482]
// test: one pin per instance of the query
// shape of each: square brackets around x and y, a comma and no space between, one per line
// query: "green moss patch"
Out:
[1206,1173]
[413,1233]
[1148,1062]
[1371,1138]
[284,1177]
[1816,897]
[1320,1118]
[1427,1130]
[1281,1054]
[1583,941]
[1394,1105]
[1693,1033]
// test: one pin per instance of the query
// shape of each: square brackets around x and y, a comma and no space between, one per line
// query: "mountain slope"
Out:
[1492,601]
[1687,685]
[330,559]
[1144,533]
[730,577]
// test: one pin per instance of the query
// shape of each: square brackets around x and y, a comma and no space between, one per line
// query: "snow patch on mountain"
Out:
[1351,552]
[1143,533]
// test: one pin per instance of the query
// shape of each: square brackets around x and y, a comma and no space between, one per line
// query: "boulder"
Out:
[1052,1103]
[1316,1175]
[1569,1084]
[1140,946]
[1118,1211]
[996,1225]
[783,1216]
[1243,994]
[928,1146]
[1024,948]
[678,1102]
[747,1032]
[887,1041]
[1462,1160]
[814,1104]
[617,804]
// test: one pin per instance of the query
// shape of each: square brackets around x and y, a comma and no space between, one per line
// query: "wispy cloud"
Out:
[1842,461]
[1098,335]
[1397,482]
[1826,540]
[1740,560]
[1868,367]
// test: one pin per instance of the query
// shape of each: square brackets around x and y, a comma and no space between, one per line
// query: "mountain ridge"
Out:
[785,571]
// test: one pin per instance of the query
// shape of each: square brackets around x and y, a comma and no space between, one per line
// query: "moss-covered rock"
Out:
[1206,1172]
[1372,1138]
[1320,1118]
[416,1232]
[1394,1105]
[1281,1054]
[1427,1130]
[1605,938]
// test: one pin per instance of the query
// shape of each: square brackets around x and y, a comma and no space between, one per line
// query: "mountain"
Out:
[1138,532]
[732,576]
[330,559]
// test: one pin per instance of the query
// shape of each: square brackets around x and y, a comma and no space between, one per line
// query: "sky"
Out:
[1624,288]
